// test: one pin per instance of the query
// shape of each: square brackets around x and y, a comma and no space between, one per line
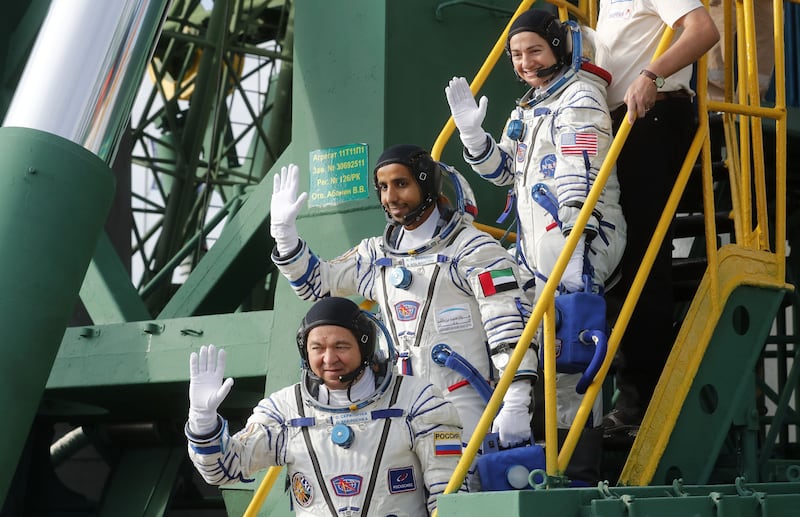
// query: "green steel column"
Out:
[54,199]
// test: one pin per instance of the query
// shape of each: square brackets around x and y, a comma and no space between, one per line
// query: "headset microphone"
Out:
[350,377]
[550,70]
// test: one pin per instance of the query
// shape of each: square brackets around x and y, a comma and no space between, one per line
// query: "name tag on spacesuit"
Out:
[423,260]
[453,318]
[351,418]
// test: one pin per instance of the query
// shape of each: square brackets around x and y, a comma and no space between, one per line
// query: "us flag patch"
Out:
[577,143]
[497,281]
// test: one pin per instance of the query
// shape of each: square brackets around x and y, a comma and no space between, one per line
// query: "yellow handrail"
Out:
[262,492]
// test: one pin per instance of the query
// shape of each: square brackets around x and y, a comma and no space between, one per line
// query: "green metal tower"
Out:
[122,257]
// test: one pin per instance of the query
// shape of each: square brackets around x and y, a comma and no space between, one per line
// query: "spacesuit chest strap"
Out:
[423,315]
[347,418]
[385,413]
[312,454]
[381,446]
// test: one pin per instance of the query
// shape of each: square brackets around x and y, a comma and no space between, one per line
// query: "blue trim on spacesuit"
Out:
[312,263]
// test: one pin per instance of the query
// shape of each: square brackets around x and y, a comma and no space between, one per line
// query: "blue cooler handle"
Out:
[601,347]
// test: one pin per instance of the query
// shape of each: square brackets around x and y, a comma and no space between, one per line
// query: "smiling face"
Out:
[400,193]
[332,352]
[529,54]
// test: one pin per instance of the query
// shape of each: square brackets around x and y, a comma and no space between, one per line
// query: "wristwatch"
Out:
[501,355]
[657,79]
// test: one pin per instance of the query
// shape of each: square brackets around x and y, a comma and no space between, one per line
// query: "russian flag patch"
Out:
[447,443]
[497,281]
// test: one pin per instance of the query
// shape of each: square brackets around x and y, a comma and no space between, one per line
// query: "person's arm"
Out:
[582,137]
[223,459]
[494,278]
[435,428]
[218,457]
[698,36]
[313,278]
[486,157]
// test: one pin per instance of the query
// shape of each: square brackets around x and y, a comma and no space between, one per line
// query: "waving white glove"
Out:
[573,274]
[513,422]
[467,114]
[206,389]
[283,209]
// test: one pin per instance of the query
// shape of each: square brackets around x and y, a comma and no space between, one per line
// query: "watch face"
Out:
[657,79]
[501,359]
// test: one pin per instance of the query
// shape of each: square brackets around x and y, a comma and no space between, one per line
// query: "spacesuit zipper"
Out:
[431,286]
[312,454]
[428,298]
[379,454]
[529,152]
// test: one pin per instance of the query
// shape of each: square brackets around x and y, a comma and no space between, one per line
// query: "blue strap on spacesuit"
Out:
[510,198]
[310,421]
[547,200]
[542,195]
[443,355]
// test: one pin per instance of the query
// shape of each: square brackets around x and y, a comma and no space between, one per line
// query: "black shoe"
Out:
[620,428]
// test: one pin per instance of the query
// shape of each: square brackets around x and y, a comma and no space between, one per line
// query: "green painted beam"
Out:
[183,191]
[107,291]
[718,390]
[733,500]
[157,351]
[141,482]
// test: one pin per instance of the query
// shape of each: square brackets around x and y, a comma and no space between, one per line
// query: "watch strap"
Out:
[657,79]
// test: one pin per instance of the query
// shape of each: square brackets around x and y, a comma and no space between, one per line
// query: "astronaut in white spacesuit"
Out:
[449,293]
[356,438]
[552,147]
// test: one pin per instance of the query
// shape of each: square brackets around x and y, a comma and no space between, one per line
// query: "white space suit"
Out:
[406,442]
[563,140]
[552,147]
[464,293]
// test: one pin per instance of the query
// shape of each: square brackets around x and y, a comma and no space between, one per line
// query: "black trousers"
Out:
[647,167]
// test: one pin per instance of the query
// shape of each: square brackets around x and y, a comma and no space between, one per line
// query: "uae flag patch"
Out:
[493,282]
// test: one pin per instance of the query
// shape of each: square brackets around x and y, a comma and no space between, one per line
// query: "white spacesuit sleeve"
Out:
[436,428]
[493,277]
[349,274]
[496,165]
[582,137]
[224,459]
